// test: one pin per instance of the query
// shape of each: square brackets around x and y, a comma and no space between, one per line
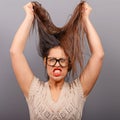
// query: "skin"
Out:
[25,76]
[56,83]
[57,52]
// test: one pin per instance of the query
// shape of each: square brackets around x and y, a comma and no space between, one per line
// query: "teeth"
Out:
[57,71]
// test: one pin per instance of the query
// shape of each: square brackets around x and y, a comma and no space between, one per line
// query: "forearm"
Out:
[93,38]
[21,35]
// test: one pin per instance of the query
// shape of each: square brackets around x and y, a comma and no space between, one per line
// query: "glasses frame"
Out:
[57,60]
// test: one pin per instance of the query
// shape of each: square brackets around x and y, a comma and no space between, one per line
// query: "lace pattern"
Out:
[68,107]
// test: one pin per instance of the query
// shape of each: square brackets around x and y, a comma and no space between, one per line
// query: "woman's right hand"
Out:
[86,10]
[29,10]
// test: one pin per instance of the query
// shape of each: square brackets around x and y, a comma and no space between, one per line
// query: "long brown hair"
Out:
[69,37]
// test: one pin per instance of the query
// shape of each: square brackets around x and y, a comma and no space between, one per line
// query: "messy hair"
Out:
[69,37]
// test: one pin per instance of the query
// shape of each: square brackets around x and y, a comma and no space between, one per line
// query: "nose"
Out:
[57,64]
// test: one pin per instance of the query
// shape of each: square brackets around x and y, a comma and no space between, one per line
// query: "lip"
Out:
[57,72]
[57,69]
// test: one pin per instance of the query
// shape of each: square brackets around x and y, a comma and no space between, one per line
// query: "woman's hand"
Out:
[29,10]
[86,10]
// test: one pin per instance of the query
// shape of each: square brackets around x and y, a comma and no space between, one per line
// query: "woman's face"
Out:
[57,64]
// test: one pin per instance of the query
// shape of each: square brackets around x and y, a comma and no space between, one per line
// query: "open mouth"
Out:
[57,72]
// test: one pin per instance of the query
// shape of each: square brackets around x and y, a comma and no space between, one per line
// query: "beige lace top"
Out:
[69,106]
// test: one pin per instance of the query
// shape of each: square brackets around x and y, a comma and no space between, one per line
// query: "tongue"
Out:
[57,73]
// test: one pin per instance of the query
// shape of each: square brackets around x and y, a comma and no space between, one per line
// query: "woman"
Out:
[57,99]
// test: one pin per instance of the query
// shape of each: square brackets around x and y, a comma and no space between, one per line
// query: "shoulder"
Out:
[36,82]
[35,87]
[75,85]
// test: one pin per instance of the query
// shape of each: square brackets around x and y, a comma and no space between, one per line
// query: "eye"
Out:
[62,60]
[51,59]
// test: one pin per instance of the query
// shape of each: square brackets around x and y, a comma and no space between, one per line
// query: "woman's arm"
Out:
[20,65]
[92,70]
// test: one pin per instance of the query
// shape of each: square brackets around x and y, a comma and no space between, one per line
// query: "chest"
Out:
[68,105]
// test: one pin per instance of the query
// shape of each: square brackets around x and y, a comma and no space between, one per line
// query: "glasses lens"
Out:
[62,62]
[51,61]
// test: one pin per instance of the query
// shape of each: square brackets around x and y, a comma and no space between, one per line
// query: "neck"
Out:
[56,84]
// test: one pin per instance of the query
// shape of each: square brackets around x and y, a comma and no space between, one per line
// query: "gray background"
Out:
[103,102]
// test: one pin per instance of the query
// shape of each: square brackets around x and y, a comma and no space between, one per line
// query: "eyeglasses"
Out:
[51,61]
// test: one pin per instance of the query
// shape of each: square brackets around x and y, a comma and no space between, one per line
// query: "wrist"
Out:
[85,19]
[86,22]
[29,17]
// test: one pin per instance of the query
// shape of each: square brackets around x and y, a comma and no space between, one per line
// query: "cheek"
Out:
[49,70]
[65,71]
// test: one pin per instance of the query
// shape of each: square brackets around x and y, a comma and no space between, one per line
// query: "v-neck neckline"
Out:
[59,97]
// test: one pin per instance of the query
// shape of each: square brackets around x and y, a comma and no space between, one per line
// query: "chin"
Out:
[58,78]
